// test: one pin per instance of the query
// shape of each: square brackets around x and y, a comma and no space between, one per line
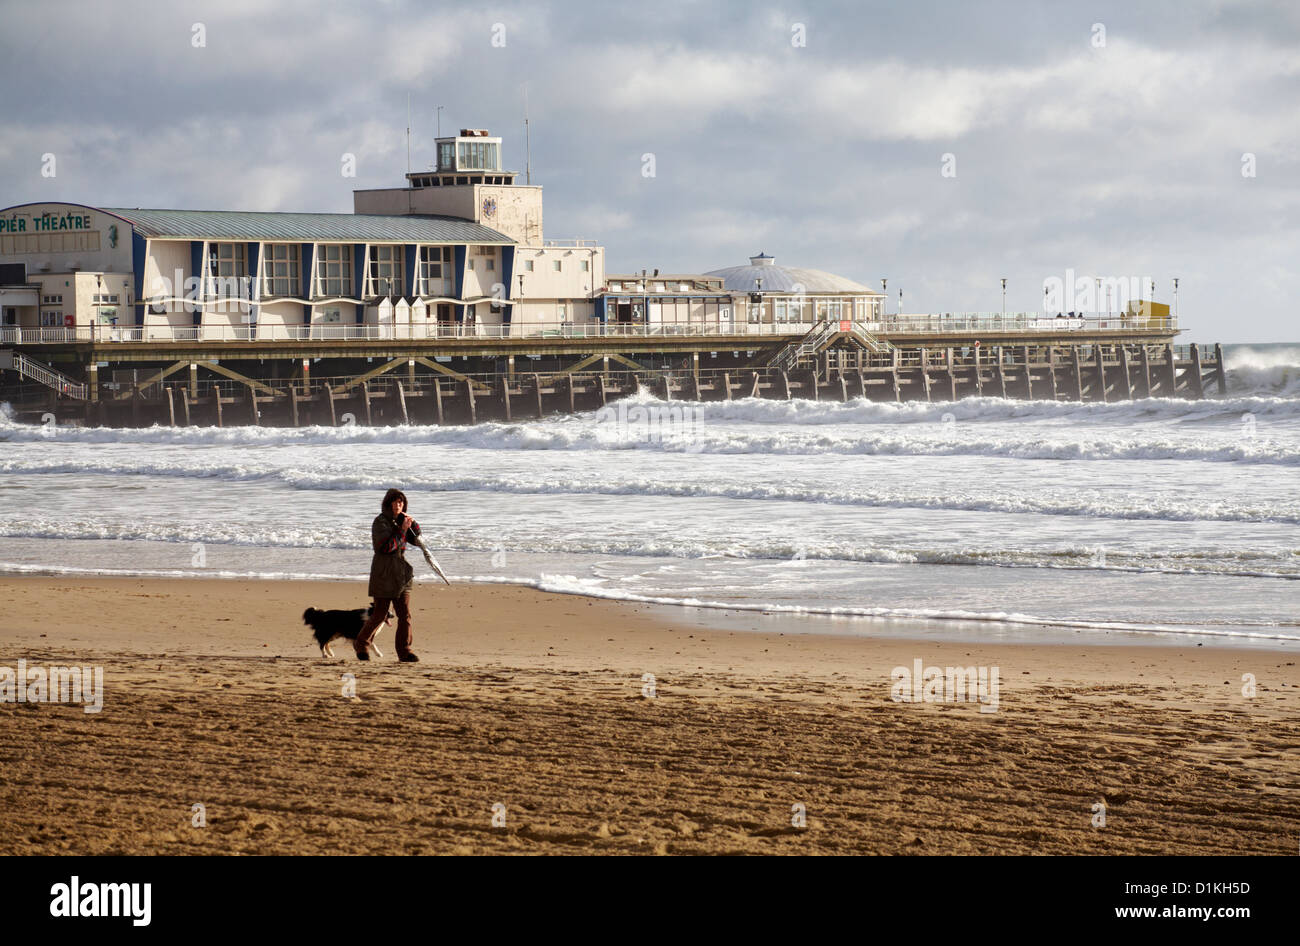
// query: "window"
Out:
[528,266]
[227,266]
[334,270]
[51,317]
[556,265]
[446,155]
[478,156]
[280,269]
[331,315]
[471,263]
[52,300]
[435,271]
[491,265]
[586,266]
[386,270]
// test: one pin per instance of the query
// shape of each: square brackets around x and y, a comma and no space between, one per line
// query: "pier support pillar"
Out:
[216,399]
[1078,373]
[1029,374]
[695,370]
[1124,372]
[469,396]
[1101,373]
[785,385]
[1171,372]
[293,405]
[505,398]
[401,400]
[329,399]
[437,400]
[194,381]
[1197,390]
[185,407]
[1221,374]
[171,406]
[1144,371]
[537,390]
[568,378]
[726,386]
[365,398]
[254,412]
[92,381]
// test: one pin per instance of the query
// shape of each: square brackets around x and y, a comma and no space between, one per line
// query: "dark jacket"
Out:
[391,575]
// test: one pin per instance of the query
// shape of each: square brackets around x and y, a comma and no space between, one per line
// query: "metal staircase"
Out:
[817,338]
[43,374]
[821,337]
[869,342]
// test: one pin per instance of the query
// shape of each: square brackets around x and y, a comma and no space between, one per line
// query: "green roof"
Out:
[305,228]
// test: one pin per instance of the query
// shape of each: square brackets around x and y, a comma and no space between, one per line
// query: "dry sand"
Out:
[535,702]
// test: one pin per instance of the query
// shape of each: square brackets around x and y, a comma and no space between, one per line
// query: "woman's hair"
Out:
[392,494]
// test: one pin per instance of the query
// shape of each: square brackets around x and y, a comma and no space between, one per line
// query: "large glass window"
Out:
[386,263]
[478,156]
[280,269]
[435,271]
[227,267]
[446,156]
[334,270]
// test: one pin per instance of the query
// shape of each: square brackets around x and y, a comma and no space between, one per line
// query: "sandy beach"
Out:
[527,728]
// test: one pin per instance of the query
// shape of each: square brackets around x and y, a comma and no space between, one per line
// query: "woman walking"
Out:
[391,576]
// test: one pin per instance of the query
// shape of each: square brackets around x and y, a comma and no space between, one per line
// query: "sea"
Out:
[1143,521]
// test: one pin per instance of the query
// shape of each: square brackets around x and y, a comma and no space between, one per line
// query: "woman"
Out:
[391,576]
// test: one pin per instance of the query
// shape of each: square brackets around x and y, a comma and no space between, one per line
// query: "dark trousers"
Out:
[379,611]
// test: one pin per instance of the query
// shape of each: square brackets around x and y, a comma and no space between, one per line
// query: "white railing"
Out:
[974,324]
[49,377]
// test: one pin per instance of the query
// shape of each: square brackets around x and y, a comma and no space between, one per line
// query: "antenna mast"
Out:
[528,142]
[408,152]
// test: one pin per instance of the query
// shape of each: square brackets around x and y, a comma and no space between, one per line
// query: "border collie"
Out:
[329,626]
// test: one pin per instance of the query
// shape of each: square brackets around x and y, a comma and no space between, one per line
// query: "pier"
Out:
[392,381]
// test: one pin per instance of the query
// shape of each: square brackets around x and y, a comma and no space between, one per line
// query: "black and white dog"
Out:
[329,626]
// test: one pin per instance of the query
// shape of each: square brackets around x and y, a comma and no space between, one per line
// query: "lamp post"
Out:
[1099,297]
[1175,300]
[884,302]
[1004,297]
[900,303]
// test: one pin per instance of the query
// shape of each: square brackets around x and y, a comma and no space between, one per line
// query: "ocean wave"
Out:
[1236,444]
[778,553]
[1076,501]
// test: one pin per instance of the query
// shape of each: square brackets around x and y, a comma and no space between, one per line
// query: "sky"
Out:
[943,146]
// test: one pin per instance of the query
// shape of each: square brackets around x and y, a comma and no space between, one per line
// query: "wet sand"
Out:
[526,728]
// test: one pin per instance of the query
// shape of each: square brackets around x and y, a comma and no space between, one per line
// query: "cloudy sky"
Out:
[1087,135]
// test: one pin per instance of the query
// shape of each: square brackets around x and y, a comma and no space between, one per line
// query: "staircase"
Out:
[821,337]
[43,374]
[818,338]
[867,341]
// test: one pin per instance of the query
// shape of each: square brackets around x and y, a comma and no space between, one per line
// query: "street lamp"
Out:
[900,303]
[1175,299]
[1004,297]
[1098,297]
[884,284]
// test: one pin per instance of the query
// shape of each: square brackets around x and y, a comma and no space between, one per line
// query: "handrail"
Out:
[48,377]
[974,326]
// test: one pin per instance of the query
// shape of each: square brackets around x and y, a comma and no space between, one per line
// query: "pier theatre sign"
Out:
[46,223]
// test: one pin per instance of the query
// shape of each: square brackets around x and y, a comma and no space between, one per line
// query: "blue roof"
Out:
[305,227]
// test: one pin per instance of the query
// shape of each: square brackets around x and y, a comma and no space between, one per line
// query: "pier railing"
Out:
[973,324]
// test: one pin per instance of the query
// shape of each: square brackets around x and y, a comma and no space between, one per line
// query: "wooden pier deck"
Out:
[419,390]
